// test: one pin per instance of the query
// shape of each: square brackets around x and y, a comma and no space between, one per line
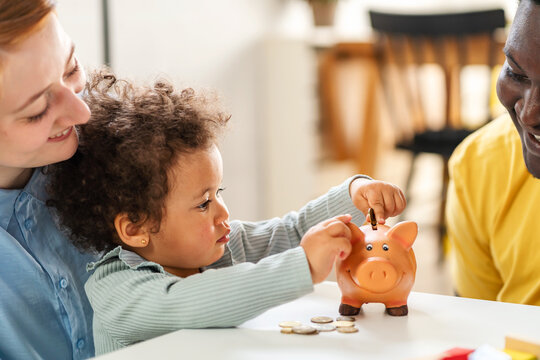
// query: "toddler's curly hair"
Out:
[134,135]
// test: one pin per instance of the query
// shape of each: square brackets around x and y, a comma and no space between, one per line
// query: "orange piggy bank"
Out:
[381,268]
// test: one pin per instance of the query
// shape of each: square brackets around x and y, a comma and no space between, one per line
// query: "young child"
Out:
[146,187]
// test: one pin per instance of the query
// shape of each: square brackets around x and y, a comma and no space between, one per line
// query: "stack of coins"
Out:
[343,324]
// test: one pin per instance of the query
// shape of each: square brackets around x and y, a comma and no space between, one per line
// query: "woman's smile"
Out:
[61,135]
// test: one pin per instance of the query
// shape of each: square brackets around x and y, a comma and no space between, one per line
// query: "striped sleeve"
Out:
[136,305]
[252,241]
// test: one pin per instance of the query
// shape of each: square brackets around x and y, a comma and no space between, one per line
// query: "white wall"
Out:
[221,45]
[257,54]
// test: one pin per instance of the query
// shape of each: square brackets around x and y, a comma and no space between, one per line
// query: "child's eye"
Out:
[205,204]
[219,191]
[40,115]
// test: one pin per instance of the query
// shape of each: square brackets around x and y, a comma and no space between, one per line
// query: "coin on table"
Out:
[286,330]
[289,324]
[304,330]
[340,324]
[347,330]
[324,327]
[321,319]
[345,318]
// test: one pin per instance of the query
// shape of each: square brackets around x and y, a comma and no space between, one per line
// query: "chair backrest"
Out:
[404,43]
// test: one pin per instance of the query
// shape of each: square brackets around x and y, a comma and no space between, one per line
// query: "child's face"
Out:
[194,228]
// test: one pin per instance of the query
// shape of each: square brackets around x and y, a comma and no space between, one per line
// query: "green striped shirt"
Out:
[263,266]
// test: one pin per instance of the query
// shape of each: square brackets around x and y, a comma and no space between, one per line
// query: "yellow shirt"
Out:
[493,217]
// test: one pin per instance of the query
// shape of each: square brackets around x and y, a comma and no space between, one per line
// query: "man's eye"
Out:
[514,76]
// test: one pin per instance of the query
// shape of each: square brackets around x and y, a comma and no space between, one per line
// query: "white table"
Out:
[435,323]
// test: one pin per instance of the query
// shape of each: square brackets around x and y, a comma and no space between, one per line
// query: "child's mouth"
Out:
[225,238]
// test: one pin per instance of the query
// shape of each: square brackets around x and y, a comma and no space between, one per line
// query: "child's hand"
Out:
[323,242]
[386,199]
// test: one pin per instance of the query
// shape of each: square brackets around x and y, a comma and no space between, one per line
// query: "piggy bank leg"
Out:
[348,310]
[397,311]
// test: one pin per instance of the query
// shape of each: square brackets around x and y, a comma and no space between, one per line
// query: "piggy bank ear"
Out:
[405,232]
[356,233]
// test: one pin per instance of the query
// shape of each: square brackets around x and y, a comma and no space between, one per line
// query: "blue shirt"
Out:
[44,312]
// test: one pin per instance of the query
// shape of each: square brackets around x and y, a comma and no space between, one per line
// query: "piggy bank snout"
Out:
[376,275]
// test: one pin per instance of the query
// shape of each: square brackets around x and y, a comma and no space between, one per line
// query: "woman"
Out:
[44,311]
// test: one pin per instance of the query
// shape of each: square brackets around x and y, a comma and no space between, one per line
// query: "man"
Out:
[493,203]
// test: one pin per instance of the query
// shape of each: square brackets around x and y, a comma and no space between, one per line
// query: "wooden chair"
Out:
[404,45]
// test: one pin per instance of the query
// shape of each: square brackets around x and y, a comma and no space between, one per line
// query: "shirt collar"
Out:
[133,260]
[7,203]
[36,185]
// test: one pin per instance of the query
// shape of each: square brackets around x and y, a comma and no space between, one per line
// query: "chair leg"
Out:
[442,225]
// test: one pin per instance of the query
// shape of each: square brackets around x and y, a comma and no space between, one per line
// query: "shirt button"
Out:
[63,283]
[28,223]
[80,343]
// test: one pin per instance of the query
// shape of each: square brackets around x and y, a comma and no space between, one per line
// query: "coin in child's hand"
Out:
[321,319]
[324,327]
[304,330]
[286,330]
[289,324]
[340,324]
[347,330]
[345,318]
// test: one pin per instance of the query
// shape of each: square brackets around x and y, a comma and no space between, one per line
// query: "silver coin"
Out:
[347,330]
[345,318]
[324,327]
[321,319]
[289,324]
[304,330]
[340,324]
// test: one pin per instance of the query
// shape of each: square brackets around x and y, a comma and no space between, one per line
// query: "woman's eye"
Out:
[385,247]
[369,247]
[73,71]
[40,115]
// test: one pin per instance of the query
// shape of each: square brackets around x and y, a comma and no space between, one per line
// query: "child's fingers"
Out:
[345,218]
[338,228]
[401,202]
[378,209]
[342,246]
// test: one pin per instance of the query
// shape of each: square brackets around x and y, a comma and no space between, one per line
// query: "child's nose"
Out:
[222,214]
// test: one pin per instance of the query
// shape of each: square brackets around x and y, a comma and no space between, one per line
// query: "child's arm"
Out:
[252,241]
[136,300]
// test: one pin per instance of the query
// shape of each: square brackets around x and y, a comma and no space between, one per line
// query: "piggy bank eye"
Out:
[369,247]
[385,247]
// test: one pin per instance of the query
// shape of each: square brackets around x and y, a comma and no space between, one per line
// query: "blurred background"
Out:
[305,93]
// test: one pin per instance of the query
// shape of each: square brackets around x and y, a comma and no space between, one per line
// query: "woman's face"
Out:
[518,86]
[39,80]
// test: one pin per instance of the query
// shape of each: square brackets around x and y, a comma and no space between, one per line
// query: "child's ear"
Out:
[131,234]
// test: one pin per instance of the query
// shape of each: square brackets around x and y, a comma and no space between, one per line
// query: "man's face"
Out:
[518,87]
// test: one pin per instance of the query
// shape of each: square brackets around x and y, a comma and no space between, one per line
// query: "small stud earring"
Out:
[143,241]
